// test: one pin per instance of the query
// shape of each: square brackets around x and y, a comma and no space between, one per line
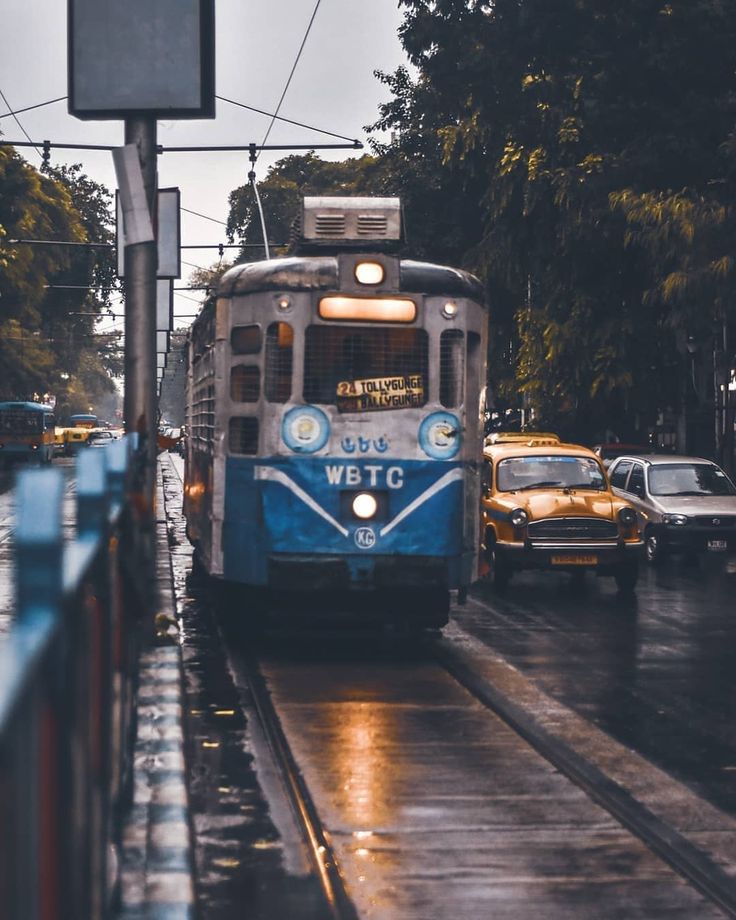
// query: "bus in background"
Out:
[26,432]
[83,420]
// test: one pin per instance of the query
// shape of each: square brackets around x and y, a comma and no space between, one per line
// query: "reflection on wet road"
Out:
[658,674]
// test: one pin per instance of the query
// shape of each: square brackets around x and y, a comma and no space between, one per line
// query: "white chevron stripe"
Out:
[441,483]
[273,475]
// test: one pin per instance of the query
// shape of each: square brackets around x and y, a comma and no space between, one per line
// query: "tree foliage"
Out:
[597,141]
[51,295]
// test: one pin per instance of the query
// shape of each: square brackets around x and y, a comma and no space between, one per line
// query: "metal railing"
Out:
[68,674]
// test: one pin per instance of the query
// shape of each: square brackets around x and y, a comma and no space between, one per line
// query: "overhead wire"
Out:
[30,108]
[291,74]
[17,121]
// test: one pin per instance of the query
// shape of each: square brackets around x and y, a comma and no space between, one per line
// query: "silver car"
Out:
[685,504]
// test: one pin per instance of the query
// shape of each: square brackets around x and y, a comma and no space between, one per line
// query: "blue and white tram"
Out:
[334,411]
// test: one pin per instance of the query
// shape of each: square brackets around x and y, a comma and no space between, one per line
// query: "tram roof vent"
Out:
[348,223]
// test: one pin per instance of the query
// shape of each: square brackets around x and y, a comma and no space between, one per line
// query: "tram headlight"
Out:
[449,310]
[519,517]
[364,506]
[369,273]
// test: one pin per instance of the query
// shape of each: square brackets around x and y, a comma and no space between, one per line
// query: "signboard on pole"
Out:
[168,233]
[164,306]
[130,58]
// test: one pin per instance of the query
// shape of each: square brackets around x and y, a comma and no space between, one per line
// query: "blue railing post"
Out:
[117,469]
[38,540]
[92,498]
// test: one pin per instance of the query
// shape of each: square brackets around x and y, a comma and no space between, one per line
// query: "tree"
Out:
[281,192]
[564,115]
[51,295]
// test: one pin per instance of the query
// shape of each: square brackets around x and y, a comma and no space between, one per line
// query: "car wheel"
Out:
[626,578]
[500,571]
[653,548]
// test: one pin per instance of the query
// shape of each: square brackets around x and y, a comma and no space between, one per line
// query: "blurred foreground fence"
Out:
[68,675]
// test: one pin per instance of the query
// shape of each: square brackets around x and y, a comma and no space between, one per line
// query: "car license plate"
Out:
[574,559]
[717,546]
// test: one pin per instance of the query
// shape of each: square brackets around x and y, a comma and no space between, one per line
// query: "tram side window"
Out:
[452,368]
[279,362]
[245,383]
[243,436]
[245,340]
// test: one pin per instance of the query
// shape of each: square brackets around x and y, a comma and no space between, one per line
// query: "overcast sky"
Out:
[257,42]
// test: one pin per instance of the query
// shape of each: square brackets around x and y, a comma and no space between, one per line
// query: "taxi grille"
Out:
[573,529]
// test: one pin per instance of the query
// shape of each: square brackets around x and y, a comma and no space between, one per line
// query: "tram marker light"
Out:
[369,273]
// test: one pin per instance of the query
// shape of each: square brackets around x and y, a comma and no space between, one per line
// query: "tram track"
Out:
[323,860]
[689,861]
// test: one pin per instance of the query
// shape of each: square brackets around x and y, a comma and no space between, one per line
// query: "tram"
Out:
[334,415]
[26,432]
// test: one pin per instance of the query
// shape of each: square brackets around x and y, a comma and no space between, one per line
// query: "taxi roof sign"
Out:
[529,438]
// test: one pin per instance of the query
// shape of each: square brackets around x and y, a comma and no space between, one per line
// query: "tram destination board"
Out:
[380,393]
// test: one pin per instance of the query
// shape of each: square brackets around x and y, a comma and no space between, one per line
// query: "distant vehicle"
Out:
[549,506]
[26,432]
[59,441]
[685,504]
[168,439]
[75,439]
[100,438]
[82,420]
[609,452]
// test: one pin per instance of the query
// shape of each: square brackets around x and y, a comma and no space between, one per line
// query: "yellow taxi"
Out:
[549,505]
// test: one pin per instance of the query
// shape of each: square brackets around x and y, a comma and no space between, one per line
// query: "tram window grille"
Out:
[452,367]
[279,362]
[246,340]
[244,436]
[340,354]
[245,383]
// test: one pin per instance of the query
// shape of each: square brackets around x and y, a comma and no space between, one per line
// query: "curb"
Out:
[156,876]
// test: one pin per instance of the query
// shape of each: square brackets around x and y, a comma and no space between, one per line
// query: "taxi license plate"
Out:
[717,546]
[574,559]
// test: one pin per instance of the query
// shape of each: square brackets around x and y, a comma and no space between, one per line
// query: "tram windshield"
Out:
[360,370]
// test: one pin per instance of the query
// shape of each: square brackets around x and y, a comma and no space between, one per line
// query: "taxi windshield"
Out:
[549,472]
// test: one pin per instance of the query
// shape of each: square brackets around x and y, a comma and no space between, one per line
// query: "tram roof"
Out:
[24,404]
[298,273]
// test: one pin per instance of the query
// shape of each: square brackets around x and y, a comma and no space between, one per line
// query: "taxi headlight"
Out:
[519,517]
[364,506]
[678,520]
[627,516]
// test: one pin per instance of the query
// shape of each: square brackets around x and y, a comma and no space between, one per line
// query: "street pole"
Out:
[140,359]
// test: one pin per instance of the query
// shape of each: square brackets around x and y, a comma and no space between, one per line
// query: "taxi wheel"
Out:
[652,548]
[500,571]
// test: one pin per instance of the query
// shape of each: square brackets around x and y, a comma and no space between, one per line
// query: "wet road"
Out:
[659,675]
[434,807]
